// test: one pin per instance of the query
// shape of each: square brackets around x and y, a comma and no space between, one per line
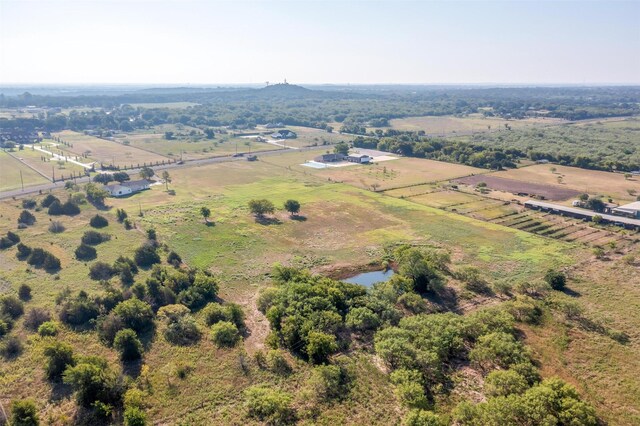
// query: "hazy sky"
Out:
[197,42]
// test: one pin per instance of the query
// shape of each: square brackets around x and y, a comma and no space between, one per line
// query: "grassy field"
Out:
[106,152]
[10,169]
[341,225]
[386,175]
[592,182]
[446,125]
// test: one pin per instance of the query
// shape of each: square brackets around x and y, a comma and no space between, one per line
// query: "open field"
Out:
[591,182]
[106,152]
[446,125]
[548,191]
[51,167]
[384,175]
[10,169]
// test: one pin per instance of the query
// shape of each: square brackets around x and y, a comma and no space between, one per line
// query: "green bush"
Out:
[146,256]
[127,343]
[24,413]
[498,350]
[48,200]
[94,238]
[85,252]
[269,405]
[329,382]
[35,317]
[504,382]
[555,279]
[24,292]
[93,380]
[225,334]
[320,345]
[26,218]
[101,271]
[11,306]
[277,362]
[59,356]
[362,319]
[420,417]
[134,416]
[11,347]
[98,221]
[48,328]
[135,314]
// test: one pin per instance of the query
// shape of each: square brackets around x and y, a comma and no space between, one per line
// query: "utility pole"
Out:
[21,181]
[53,174]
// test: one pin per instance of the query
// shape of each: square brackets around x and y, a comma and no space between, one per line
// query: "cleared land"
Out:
[445,125]
[550,192]
[385,175]
[107,152]
[10,169]
[51,166]
[592,182]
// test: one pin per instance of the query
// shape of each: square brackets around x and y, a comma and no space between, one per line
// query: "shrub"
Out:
[362,319]
[146,256]
[151,234]
[93,380]
[419,417]
[13,237]
[269,405]
[413,302]
[101,271]
[78,311]
[181,327]
[135,314]
[214,313]
[127,343]
[93,238]
[24,413]
[48,328]
[5,243]
[59,356]
[320,345]
[24,292]
[56,227]
[504,382]
[70,208]
[261,207]
[555,279]
[24,251]
[121,215]
[36,317]
[203,289]
[225,334]
[498,349]
[4,327]
[11,306]
[85,252]
[51,263]
[55,208]
[11,348]
[329,382]
[98,221]
[26,218]
[108,326]
[29,203]
[48,200]
[174,259]
[134,416]
[277,362]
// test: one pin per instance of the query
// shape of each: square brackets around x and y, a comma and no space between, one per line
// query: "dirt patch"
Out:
[549,192]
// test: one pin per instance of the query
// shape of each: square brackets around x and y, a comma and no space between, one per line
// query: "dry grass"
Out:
[106,152]
[592,182]
[10,169]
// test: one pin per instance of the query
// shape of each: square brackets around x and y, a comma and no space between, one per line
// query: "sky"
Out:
[315,42]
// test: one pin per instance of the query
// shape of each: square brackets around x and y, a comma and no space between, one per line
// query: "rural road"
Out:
[189,163]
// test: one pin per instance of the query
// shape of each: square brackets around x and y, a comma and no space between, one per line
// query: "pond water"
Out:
[368,279]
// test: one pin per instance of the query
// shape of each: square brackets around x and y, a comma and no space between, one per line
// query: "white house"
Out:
[359,158]
[126,188]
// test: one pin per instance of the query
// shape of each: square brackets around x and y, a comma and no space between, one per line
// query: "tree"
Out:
[24,292]
[505,382]
[96,194]
[135,314]
[261,207]
[292,206]
[168,136]
[121,177]
[167,178]
[146,256]
[205,212]
[24,413]
[146,173]
[555,279]
[595,204]
[92,380]
[59,356]
[269,405]
[134,416]
[127,343]
[225,334]
[341,148]
[597,219]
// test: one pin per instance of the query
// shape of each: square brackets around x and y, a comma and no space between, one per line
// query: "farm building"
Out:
[630,210]
[329,158]
[284,134]
[582,214]
[359,158]
[127,188]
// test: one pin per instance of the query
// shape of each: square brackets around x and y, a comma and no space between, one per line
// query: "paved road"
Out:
[190,163]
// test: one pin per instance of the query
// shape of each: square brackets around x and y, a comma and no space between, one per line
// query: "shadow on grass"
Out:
[60,391]
[570,292]
[299,218]
[263,220]
[210,224]
[132,368]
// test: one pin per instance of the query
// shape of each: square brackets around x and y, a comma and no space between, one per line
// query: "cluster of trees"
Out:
[262,206]
[56,208]
[9,241]
[105,178]
[38,257]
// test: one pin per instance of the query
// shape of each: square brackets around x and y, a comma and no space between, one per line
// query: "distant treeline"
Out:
[294,105]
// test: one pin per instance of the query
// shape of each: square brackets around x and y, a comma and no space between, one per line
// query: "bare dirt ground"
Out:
[549,192]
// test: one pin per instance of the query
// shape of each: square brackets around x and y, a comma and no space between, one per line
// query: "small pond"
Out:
[368,279]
